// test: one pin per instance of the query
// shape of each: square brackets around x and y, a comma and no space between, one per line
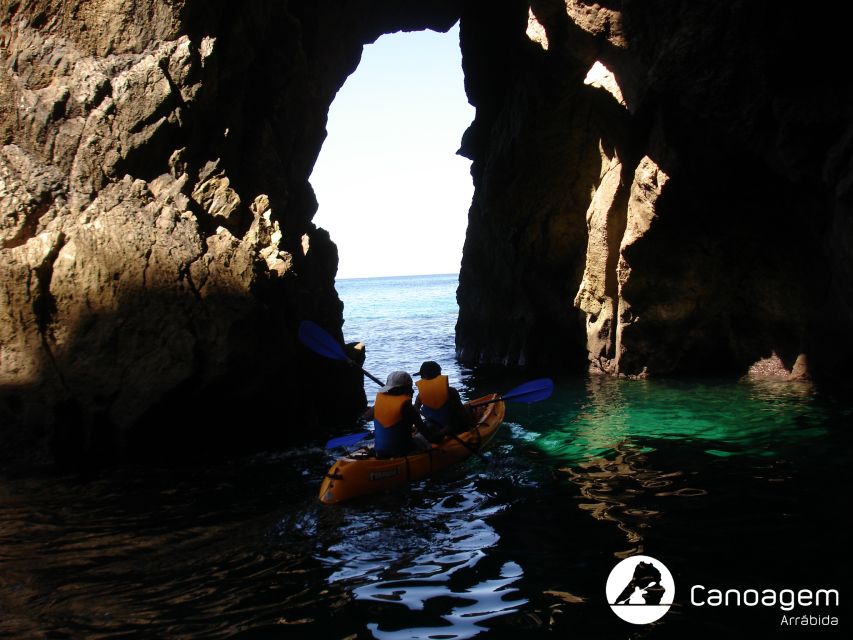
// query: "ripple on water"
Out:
[431,555]
[487,600]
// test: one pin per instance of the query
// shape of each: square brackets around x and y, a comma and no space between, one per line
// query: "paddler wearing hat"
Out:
[440,404]
[397,425]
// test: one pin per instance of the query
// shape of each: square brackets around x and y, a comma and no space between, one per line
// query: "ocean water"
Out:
[730,484]
[403,321]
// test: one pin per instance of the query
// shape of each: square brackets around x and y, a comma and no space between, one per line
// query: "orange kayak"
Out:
[361,474]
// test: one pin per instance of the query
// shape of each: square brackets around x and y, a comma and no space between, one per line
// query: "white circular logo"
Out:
[640,589]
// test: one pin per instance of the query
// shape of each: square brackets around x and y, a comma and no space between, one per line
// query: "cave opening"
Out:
[392,191]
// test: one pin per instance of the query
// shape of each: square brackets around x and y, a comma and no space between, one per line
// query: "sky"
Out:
[392,192]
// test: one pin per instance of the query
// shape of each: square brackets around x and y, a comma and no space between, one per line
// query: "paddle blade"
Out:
[346,441]
[532,391]
[320,341]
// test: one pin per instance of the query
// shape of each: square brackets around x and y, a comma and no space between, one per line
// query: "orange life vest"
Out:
[435,392]
[392,435]
[388,410]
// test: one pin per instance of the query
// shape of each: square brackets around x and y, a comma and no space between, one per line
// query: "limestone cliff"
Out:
[691,195]
[155,220]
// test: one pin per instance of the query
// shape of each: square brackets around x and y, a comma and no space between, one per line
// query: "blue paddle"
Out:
[529,392]
[346,441]
[322,343]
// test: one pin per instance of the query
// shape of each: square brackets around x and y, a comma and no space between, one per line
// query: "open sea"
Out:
[731,484]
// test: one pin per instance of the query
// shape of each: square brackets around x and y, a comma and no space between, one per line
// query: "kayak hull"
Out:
[358,475]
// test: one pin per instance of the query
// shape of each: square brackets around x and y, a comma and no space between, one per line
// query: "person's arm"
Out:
[421,427]
[464,416]
[414,416]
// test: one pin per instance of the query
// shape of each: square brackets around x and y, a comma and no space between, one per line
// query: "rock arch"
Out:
[157,244]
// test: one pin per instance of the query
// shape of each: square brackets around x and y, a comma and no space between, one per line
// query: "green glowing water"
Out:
[725,418]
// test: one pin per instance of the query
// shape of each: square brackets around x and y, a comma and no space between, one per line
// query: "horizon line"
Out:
[405,275]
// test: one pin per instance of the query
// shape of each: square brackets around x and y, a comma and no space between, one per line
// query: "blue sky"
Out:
[392,192]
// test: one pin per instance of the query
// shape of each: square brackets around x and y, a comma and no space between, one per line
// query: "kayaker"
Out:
[440,403]
[397,425]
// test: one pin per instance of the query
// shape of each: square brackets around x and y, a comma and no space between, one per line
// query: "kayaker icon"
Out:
[640,589]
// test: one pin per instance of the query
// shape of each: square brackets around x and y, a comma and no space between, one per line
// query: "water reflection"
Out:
[606,436]
[619,489]
[430,555]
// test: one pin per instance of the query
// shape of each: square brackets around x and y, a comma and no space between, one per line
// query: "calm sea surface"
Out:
[732,485]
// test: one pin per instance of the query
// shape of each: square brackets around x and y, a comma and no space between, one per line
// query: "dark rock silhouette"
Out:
[695,202]
[646,578]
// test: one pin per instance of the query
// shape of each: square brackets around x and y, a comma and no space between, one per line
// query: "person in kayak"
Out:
[440,403]
[397,425]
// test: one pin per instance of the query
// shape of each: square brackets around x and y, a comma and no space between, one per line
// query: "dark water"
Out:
[730,484]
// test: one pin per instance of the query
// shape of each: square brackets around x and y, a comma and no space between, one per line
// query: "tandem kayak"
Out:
[361,473]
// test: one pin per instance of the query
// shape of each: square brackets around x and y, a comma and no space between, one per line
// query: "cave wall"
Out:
[155,221]
[536,158]
[687,212]
[703,219]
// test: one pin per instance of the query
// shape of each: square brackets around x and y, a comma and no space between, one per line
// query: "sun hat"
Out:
[429,370]
[395,380]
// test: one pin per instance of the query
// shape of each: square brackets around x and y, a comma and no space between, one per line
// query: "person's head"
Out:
[429,370]
[398,383]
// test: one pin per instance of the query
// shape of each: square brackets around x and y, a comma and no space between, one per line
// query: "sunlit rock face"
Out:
[659,188]
[155,222]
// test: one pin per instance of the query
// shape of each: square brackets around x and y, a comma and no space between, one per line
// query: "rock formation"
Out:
[693,199]
[683,207]
[155,221]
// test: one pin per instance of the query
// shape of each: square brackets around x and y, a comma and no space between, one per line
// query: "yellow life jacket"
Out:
[435,392]
[388,410]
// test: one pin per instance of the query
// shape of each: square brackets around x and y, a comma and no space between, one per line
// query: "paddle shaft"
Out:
[461,441]
[369,375]
[485,402]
